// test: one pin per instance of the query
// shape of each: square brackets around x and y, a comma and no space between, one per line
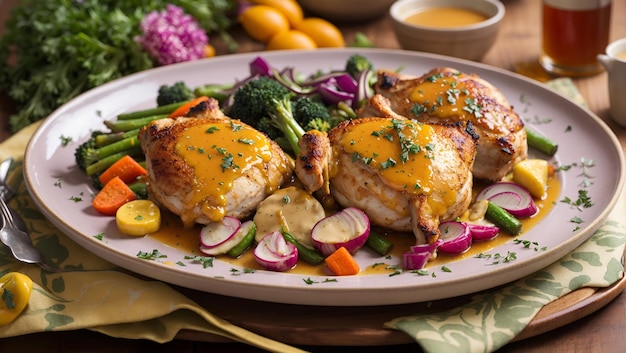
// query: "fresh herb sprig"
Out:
[65,47]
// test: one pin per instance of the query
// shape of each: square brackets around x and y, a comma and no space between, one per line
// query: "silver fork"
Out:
[12,233]
[6,193]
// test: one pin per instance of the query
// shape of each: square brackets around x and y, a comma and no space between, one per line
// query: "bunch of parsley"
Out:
[54,50]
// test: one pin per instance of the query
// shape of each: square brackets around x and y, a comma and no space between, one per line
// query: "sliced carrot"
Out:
[184,109]
[113,195]
[127,168]
[342,263]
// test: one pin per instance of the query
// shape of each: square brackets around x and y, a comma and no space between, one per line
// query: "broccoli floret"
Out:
[281,113]
[356,64]
[252,101]
[306,109]
[318,124]
[266,125]
[265,98]
[178,92]
[84,152]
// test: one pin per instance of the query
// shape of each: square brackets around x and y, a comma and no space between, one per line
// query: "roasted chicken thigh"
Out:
[205,167]
[405,175]
[447,96]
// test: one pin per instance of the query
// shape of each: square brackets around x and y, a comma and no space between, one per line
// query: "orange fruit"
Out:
[290,39]
[323,32]
[262,22]
[290,8]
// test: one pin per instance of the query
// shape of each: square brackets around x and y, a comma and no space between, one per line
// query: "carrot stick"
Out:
[342,263]
[184,109]
[127,168]
[113,195]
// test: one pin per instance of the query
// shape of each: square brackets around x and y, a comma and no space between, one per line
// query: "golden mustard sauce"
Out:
[447,96]
[621,56]
[403,153]
[445,17]
[219,153]
[173,234]
[444,96]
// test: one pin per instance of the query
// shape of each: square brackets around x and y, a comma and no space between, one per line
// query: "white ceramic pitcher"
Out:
[614,61]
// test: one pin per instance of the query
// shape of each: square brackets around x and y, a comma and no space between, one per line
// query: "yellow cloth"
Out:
[97,296]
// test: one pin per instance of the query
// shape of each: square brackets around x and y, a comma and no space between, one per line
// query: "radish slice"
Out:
[215,233]
[229,243]
[348,228]
[274,253]
[481,232]
[456,237]
[511,196]
[415,260]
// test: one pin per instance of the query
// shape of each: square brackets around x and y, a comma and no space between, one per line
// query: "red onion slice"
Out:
[456,237]
[431,248]
[260,66]
[481,232]
[512,197]
[346,83]
[415,260]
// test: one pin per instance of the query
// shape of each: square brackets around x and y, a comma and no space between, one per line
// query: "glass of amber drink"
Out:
[574,33]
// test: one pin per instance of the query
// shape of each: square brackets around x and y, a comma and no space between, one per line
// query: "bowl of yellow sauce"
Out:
[459,28]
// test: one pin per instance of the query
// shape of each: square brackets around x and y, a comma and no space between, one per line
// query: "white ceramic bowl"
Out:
[468,42]
[346,11]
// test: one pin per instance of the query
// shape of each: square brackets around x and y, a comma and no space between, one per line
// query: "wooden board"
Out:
[363,326]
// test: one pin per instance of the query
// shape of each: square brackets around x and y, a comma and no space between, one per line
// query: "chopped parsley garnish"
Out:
[155,254]
[472,107]
[246,141]
[235,127]
[498,258]
[390,162]
[206,261]
[65,140]
[227,162]
[420,272]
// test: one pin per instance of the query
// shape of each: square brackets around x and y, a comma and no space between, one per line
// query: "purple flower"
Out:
[171,36]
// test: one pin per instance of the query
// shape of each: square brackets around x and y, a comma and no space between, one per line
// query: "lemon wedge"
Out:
[533,175]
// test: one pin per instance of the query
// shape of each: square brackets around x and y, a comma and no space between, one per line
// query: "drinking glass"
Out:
[574,33]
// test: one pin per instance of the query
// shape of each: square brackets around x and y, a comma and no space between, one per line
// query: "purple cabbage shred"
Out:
[171,36]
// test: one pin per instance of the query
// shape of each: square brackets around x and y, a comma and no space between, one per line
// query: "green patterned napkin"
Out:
[95,293]
[491,320]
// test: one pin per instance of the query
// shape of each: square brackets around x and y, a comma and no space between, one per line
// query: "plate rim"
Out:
[173,276]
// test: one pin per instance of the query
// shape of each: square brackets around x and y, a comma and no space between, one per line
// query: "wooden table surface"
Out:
[518,46]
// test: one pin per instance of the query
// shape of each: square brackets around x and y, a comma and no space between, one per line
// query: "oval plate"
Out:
[585,143]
